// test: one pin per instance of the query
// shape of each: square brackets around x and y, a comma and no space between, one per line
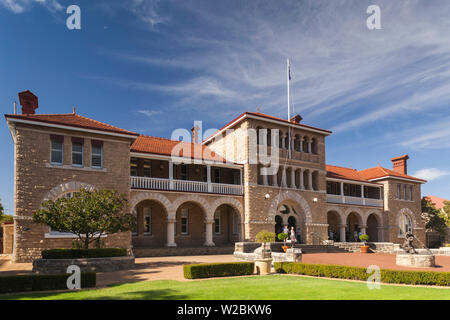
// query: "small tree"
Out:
[88,214]
[282,237]
[434,221]
[364,238]
[263,237]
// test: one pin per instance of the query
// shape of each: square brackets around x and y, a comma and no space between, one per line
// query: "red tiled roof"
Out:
[438,202]
[72,120]
[262,115]
[344,173]
[162,146]
[380,172]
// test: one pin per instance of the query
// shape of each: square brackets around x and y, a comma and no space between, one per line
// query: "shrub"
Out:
[39,282]
[282,236]
[364,237]
[211,270]
[357,273]
[83,253]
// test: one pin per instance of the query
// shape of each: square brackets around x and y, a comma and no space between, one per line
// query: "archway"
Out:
[290,214]
[334,221]
[227,225]
[151,224]
[353,223]
[190,225]
[372,228]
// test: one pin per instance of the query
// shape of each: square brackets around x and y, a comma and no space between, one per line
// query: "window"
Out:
[217,222]
[284,209]
[134,167]
[372,192]
[97,154]
[216,175]
[57,149]
[399,191]
[77,152]
[405,224]
[352,190]
[405,196]
[147,168]
[184,221]
[147,221]
[410,193]
[237,177]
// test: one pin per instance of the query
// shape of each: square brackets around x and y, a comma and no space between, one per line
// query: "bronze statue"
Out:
[408,244]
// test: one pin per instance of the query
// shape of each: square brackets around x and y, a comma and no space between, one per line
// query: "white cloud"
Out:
[149,113]
[431,174]
[434,135]
[19,6]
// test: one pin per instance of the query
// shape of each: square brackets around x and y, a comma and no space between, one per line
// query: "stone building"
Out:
[257,172]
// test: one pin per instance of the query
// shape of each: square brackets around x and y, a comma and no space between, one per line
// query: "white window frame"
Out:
[184,215]
[405,224]
[148,214]
[217,222]
[62,153]
[77,152]
[97,154]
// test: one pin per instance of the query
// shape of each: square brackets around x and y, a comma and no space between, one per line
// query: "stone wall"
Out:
[8,238]
[36,180]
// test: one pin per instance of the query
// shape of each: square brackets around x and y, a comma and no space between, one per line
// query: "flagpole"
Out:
[289,103]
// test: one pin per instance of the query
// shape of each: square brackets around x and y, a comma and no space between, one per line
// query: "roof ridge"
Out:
[96,121]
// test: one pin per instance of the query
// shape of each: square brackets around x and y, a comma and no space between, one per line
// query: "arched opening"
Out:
[404,224]
[290,215]
[151,225]
[227,225]
[334,221]
[353,227]
[372,228]
[190,225]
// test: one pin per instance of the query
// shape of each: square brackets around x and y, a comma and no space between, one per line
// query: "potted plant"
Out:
[263,265]
[364,238]
[283,237]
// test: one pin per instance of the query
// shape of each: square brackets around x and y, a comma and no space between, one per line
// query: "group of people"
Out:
[292,234]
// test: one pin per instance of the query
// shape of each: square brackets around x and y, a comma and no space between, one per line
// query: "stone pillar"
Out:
[265,180]
[170,175]
[171,233]
[208,177]
[342,233]
[283,177]
[310,179]
[209,234]
[283,144]
[301,184]
[275,178]
[309,146]
[301,143]
[293,177]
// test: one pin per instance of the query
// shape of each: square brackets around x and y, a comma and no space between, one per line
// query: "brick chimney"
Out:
[296,119]
[28,101]
[195,133]
[400,164]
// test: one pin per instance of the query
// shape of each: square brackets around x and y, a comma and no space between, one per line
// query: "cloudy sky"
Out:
[154,66]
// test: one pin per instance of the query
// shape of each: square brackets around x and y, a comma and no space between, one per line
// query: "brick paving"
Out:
[171,268]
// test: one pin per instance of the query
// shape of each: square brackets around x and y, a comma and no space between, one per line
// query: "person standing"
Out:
[292,235]
[286,229]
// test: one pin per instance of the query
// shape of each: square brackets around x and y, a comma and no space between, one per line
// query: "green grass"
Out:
[247,288]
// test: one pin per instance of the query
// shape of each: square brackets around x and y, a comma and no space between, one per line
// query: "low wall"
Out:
[56,266]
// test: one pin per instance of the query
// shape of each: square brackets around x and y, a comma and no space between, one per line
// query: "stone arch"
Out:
[377,215]
[362,216]
[229,201]
[66,187]
[196,199]
[141,196]
[293,196]
[342,215]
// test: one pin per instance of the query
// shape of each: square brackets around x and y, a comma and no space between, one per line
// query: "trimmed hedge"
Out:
[83,253]
[40,282]
[211,270]
[358,273]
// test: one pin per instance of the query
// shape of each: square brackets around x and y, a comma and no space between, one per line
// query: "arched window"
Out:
[405,224]
[284,209]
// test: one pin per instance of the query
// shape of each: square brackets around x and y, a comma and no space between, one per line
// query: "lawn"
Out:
[247,288]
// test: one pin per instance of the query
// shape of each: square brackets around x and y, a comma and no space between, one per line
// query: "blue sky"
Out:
[154,66]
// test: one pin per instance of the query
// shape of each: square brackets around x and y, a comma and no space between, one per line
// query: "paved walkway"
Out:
[171,268]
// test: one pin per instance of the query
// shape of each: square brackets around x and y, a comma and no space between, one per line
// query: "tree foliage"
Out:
[434,220]
[446,212]
[88,214]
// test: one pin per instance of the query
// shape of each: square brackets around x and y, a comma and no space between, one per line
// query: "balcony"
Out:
[185,186]
[332,198]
